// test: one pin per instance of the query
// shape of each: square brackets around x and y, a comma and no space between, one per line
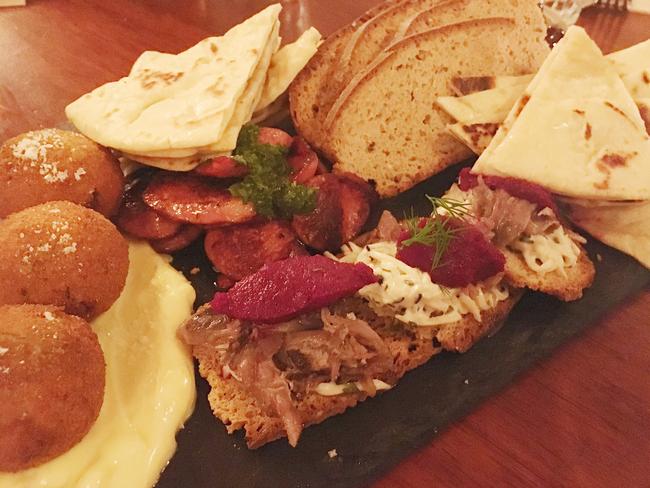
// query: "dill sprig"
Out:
[454,208]
[436,231]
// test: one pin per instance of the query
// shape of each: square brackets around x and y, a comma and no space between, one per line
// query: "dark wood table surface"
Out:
[580,418]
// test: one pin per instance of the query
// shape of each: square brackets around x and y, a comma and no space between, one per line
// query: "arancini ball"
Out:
[53,164]
[52,378]
[63,254]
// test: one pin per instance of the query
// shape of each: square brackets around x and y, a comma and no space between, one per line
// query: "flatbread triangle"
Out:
[143,112]
[575,129]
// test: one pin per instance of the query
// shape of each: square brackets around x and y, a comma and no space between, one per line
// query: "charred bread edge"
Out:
[567,287]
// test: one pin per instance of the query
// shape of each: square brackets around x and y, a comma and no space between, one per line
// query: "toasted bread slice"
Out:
[307,89]
[410,347]
[413,17]
[404,138]
[462,335]
[567,286]
[368,41]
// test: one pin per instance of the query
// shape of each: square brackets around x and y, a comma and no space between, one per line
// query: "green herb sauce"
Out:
[268,184]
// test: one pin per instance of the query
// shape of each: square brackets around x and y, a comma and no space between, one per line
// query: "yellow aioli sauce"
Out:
[149,392]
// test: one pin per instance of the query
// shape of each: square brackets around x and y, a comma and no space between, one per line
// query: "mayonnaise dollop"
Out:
[149,392]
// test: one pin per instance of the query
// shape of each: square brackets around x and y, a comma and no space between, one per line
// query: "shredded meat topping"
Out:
[278,364]
[502,217]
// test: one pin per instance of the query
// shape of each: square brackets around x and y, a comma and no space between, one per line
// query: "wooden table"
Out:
[581,418]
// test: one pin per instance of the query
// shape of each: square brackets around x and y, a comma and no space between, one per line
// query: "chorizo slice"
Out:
[321,229]
[183,238]
[240,250]
[303,160]
[221,167]
[357,199]
[139,220]
[274,137]
[193,200]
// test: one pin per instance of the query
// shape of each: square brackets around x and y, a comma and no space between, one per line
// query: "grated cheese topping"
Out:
[32,151]
[548,252]
[410,294]
[55,236]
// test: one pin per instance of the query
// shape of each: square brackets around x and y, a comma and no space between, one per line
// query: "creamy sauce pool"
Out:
[150,388]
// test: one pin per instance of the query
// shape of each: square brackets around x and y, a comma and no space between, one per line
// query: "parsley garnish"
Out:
[268,185]
[435,230]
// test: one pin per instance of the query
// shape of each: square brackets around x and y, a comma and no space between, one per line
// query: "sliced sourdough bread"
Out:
[410,346]
[388,127]
[368,41]
[415,16]
[305,92]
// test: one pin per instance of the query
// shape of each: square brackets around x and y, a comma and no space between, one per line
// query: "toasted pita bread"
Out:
[633,65]
[286,64]
[476,135]
[178,101]
[250,98]
[622,225]
[644,110]
[486,99]
[575,130]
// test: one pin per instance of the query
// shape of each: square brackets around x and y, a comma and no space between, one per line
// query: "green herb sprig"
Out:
[268,185]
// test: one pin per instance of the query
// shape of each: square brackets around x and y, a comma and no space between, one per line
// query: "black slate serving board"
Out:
[374,436]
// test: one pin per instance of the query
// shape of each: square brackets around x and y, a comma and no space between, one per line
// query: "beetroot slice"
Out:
[286,289]
[516,187]
[468,259]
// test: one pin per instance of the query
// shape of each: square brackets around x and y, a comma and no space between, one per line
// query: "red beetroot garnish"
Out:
[516,187]
[221,167]
[286,289]
[416,255]
[469,257]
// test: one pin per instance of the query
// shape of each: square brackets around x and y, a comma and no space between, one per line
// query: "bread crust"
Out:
[462,335]
[567,287]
